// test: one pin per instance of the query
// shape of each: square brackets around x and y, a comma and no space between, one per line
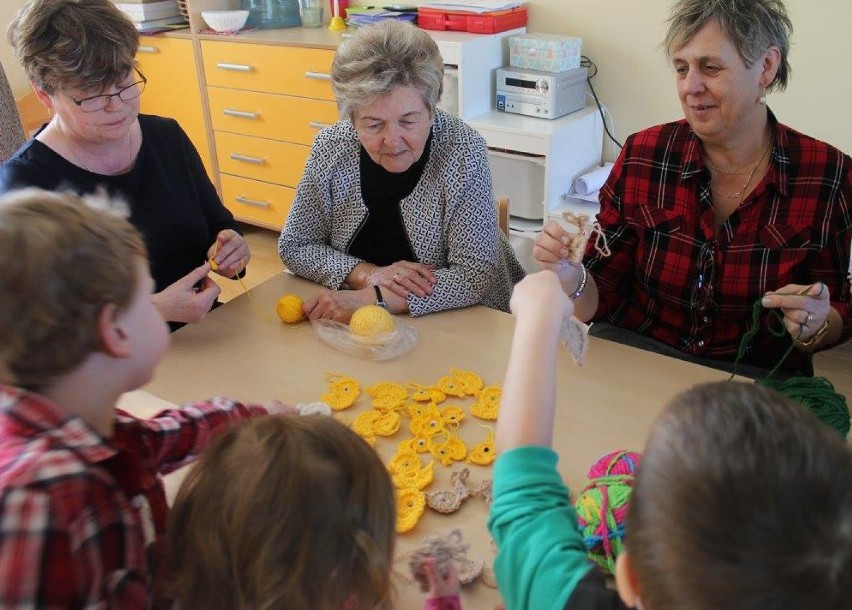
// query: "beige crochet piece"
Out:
[445,551]
[575,336]
[449,501]
[484,490]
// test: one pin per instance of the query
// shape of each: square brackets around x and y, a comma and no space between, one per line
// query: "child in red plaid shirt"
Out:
[82,505]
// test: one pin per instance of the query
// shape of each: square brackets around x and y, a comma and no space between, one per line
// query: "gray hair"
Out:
[751,25]
[382,56]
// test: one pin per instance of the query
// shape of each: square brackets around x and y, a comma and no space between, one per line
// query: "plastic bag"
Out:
[401,340]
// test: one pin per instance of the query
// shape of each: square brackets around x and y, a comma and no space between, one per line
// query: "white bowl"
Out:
[225,21]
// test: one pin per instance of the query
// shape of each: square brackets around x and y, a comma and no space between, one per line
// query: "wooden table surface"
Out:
[243,351]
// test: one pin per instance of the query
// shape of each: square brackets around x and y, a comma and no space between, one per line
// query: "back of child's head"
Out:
[64,258]
[283,512]
[743,500]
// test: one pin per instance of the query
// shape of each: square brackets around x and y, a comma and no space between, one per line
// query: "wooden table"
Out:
[243,351]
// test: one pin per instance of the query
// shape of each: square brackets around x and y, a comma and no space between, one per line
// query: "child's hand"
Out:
[540,296]
[440,585]
[276,407]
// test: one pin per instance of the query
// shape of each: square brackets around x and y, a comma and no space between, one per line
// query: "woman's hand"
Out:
[805,308]
[190,298]
[551,245]
[230,252]
[404,278]
[337,305]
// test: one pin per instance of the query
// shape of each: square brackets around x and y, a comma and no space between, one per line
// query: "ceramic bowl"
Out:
[225,21]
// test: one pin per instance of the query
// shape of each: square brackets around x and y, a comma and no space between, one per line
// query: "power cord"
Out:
[585,62]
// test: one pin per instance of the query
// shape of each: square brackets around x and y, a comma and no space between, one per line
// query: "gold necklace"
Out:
[750,175]
[78,157]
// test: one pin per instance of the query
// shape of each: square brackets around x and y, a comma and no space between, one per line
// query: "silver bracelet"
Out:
[582,285]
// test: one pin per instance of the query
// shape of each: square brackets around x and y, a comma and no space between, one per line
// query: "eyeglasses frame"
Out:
[109,96]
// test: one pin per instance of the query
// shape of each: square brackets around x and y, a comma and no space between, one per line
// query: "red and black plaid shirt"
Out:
[673,278]
[77,512]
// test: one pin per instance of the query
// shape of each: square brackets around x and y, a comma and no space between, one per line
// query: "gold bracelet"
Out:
[809,342]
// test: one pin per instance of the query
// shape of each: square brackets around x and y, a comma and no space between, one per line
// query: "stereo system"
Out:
[535,93]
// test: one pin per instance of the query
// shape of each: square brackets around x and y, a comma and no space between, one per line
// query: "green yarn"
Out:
[816,394]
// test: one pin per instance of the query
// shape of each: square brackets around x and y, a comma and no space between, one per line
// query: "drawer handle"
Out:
[255,160]
[318,75]
[240,114]
[318,125]
[234,67]
[147,49]
[254,202]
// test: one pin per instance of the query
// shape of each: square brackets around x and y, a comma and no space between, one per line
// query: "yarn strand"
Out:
[817,394]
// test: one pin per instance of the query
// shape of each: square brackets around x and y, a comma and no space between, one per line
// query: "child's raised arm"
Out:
[529,389]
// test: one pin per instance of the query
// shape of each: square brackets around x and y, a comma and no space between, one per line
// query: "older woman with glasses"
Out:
[79,56]
[726,208]
[395,206]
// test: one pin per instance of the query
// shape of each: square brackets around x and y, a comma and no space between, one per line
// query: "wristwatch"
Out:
[380,300]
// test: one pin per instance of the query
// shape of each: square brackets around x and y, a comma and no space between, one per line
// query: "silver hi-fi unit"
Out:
[548,95]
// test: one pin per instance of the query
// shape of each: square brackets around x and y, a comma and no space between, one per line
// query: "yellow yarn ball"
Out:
[371,320]
[289,308]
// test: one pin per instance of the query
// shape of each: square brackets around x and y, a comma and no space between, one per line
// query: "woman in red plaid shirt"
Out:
[82,505]
[709,214]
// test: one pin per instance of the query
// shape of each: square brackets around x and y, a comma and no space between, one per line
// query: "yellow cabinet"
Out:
[173,88]
[267,104]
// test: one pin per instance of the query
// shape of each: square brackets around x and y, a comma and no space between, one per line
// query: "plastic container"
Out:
[312,13]
[478,23]
[272,14]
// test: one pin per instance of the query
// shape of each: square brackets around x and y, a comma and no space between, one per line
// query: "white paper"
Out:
[472,6]
[588,184]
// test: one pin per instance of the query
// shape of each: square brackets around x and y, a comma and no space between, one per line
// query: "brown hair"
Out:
[88,44]
[751,25]
[743,499]
[65,258]
[283,512]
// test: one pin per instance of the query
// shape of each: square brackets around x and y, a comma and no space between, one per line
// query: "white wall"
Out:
[14,73]
[622,37]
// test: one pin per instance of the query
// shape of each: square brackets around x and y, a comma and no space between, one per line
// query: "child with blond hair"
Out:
[82,506]
[743,499]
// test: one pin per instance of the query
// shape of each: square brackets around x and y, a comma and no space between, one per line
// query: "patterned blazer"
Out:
[450,218]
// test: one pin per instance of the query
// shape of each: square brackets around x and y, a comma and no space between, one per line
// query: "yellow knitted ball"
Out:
[371,320]
[289,308]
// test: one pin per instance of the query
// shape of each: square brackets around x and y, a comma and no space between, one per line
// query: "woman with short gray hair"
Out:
[396,204]
[721,212]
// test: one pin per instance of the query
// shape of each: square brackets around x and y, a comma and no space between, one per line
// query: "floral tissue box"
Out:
[547,52]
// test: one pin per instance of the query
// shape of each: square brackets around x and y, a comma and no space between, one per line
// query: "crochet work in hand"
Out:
[445,551]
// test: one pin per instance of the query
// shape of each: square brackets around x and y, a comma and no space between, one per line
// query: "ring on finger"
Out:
[809,319]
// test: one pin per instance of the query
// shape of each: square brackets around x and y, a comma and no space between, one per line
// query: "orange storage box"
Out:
[477,23]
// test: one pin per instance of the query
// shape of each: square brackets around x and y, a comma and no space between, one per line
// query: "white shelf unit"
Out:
[473,58]
[567,147]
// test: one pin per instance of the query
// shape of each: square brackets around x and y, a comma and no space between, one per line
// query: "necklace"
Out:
[739,193]
[81,153]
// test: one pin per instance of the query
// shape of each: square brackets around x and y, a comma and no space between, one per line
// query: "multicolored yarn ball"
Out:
[289,308]
[371,320]
[602,506]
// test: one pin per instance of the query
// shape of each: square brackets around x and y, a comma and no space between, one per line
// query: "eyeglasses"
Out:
[702,293]
[96,103]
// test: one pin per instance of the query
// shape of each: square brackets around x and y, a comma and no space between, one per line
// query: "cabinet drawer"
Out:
[261,159]
[257,202]
[278,117]
[288,70]
[173,89]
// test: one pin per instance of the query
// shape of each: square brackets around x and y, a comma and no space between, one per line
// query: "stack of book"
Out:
[150,14]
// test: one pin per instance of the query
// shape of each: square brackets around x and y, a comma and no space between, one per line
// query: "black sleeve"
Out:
[591,593]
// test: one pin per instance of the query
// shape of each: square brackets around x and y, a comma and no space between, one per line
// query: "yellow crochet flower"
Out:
[410,504]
